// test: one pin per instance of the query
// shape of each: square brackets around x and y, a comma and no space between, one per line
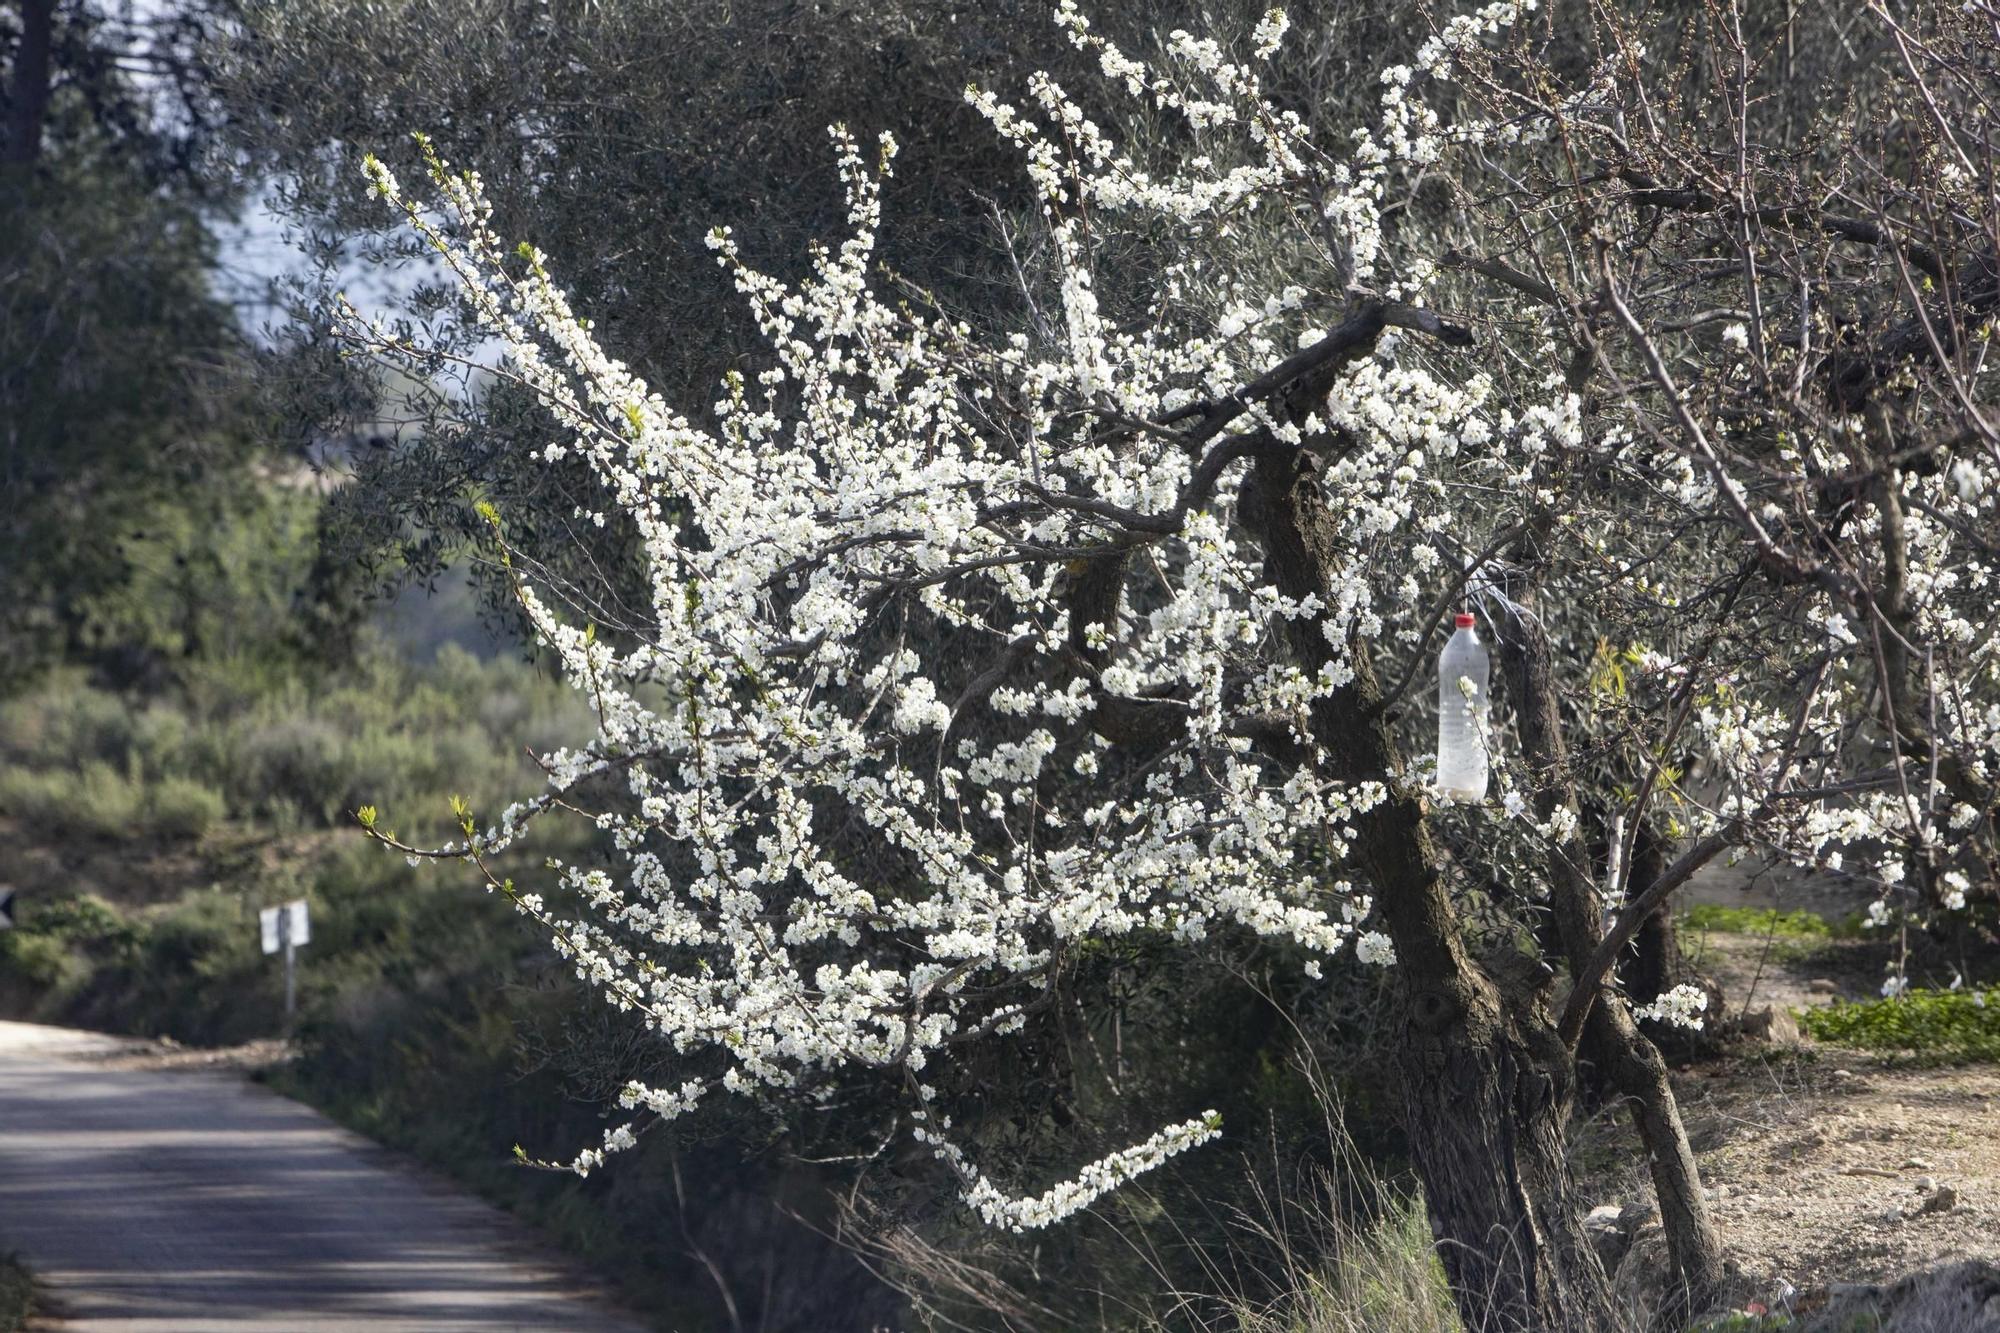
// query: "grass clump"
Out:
[1795,925]
[1365,1268]
[1937,1026]
[1383,1278]
[1345,1248]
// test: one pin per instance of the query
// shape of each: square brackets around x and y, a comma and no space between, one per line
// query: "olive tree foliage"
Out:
[966,649]
[122,393]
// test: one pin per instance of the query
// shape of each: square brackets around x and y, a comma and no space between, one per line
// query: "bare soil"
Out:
[1826,1166]
[1845,1168]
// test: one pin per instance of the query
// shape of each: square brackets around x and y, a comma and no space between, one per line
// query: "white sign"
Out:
[284,925]
[284,928]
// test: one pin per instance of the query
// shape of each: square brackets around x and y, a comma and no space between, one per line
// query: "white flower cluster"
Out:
[863,565]
[859,469]
[1682,1007]
[1090,1184]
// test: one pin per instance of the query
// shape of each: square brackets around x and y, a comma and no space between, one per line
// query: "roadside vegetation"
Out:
[144,822]
[17,1294]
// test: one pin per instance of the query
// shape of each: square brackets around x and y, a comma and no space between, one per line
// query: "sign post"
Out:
[284,929]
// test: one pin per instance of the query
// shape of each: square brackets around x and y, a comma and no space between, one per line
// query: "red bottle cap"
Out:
[1463,620]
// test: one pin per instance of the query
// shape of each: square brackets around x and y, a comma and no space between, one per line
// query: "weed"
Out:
[1945,1027]
[1741,1321]
[1797,925]
[1383,1278]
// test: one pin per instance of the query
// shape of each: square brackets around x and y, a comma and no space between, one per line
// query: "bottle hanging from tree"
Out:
[1463,671]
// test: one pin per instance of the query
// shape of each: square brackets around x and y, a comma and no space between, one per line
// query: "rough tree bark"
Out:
[1487,1084]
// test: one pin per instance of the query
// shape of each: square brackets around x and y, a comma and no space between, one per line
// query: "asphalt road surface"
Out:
[155,1200]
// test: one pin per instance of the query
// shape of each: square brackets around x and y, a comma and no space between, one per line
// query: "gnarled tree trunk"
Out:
[1487,1091]
[1488,1086]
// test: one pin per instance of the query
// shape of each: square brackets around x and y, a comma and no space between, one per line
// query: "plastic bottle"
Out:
[1463,673]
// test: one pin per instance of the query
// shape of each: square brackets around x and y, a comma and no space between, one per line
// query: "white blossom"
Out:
[1682,1007]
[883,480]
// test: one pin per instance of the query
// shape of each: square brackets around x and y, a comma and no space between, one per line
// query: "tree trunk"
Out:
[1655,963]
[1655,967]
[1487,1085]
[28,98]
[1487,1097]
[1612,1041]
[1633,1065]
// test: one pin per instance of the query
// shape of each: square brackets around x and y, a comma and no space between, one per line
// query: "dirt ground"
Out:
[1841,1168]
[1826,1166]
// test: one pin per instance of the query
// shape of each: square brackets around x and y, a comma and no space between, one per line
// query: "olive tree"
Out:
[967,649]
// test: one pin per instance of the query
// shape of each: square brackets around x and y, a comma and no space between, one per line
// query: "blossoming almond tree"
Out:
[1093,628]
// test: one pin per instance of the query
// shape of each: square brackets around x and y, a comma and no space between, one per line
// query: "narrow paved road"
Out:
[175,1201]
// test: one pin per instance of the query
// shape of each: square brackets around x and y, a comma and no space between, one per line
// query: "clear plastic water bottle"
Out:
[1463,673]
